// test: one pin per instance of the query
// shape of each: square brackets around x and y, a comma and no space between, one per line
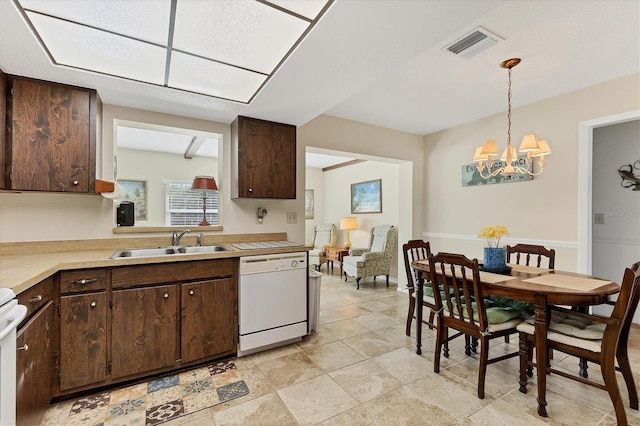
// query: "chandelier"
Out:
[510,163]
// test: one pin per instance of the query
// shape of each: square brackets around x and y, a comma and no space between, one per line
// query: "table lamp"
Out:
[204,184]
[348,223]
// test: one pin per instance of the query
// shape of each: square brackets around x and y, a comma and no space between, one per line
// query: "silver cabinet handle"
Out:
[23,348]
[191,292]
[166,295]
[75,182]
[85,281]
[93,304]
[250,189]
[35,299]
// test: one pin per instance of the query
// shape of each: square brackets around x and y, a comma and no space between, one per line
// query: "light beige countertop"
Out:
[23,265]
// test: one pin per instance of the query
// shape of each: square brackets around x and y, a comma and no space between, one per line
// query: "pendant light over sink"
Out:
[533,147]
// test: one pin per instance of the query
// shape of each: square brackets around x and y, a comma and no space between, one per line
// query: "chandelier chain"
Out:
[509,110]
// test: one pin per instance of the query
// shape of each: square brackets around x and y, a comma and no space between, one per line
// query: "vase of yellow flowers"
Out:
[494,255]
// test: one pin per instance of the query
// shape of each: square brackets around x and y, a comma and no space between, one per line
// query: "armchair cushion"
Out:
[375,260]
[357,251]
[324,235]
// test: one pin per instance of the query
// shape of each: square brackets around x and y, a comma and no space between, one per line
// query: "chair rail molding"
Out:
[510,241]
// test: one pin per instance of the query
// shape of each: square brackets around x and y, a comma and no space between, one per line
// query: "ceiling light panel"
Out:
[309,8]
[82,47]
[246,34]
[144,20]
[211,78]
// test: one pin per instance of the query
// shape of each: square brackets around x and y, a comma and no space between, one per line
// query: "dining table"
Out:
[543,288]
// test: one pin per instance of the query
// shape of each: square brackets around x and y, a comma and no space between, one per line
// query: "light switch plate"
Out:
[292,217]
[598,219]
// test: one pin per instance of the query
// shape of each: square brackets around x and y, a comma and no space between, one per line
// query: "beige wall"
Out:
[403,150]
[543,210]
[336,190]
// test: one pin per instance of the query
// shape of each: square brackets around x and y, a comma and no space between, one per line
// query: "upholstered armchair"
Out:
[374,260]
[324,235]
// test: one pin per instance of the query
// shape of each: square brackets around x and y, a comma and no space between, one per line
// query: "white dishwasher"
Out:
[272,301]
[11,314]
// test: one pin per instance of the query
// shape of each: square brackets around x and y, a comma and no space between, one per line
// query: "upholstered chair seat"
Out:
[374,260]
[324,235]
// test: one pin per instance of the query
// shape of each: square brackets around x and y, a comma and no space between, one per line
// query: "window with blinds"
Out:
[184,206]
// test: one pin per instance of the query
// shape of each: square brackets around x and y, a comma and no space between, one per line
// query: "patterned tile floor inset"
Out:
[162,399]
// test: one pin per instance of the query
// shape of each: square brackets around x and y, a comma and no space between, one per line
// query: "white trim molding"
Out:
[511,241]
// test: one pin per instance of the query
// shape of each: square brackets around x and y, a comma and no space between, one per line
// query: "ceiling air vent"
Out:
[473,43]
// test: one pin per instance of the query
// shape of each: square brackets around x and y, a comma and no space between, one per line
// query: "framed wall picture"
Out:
[136,192]
[308,204]
[366,197]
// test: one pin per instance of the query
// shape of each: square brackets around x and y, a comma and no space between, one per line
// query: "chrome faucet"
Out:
[199,239]
[175,239]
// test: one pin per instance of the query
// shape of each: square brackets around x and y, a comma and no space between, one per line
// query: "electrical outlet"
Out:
[598,218]
[292,217]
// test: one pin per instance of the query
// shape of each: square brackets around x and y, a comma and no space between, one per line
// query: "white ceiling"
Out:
[380,62]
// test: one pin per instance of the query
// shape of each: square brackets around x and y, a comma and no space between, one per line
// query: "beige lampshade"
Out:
[544,148]
[509,154]
[529,144]
[204,184]
[349,223]
[490,147]
[478,156]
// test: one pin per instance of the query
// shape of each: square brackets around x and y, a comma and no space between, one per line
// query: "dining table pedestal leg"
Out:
[542,354]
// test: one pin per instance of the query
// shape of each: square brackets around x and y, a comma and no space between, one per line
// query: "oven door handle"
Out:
[15,316]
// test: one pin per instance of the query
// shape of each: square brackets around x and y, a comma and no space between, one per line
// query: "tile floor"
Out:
[361,369]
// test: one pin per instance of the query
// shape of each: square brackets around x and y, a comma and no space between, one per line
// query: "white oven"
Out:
[11,314]
[272,301]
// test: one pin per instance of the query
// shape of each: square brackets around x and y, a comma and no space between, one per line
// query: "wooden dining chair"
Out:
[460,306]
[417,250]
[531,255]
[595,338]
[528,255]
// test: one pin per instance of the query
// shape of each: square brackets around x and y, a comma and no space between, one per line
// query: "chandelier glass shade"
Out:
[535,149]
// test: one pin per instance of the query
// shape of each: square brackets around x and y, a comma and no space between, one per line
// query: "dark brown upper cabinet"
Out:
[50,140]
[263,158]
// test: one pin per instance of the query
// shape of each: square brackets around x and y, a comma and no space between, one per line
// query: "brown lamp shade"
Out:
[204,183]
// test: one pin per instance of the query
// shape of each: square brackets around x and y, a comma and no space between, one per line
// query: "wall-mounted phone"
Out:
[261,213]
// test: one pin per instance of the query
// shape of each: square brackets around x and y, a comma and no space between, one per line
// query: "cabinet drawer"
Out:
[37,296]
[128,276]
[83,280]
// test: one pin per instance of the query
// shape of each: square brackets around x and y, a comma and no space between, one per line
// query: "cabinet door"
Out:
[144,334]
[266,159]
[209,319]
[50,137]
[35,367]
[83,341]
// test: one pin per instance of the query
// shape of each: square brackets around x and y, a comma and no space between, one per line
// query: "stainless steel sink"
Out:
[166,251]
[144,252]
[202,249]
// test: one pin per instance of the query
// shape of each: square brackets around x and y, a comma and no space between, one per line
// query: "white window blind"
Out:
[184,206]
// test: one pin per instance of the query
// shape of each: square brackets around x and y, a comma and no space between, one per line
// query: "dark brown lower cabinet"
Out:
[35,366]
[143,330]
[209,318]
[83,339]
